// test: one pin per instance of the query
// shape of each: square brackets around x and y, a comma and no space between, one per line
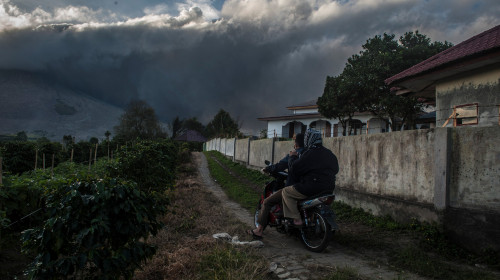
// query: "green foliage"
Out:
[361,85]
[139,122]
[222,125]
[95,229]
[18,157]
[152,164]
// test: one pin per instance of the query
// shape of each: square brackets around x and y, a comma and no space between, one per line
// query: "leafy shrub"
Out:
[152,164]
[18,157]
[97,230]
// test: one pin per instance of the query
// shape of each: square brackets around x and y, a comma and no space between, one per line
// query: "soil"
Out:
[287,256]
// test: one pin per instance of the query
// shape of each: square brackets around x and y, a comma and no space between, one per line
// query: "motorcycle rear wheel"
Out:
[317,235]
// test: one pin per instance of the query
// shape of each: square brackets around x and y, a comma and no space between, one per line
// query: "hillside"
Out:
[32,104]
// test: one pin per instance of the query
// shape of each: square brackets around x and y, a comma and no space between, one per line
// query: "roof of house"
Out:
[191,136]
[305,105]
[479,45]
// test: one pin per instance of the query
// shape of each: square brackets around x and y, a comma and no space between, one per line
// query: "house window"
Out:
[466,114]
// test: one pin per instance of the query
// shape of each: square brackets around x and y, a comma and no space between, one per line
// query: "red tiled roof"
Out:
[482,43]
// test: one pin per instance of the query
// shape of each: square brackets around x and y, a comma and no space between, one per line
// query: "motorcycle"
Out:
[319,220]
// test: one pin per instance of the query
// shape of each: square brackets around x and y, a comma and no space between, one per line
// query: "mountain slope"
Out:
[32,104]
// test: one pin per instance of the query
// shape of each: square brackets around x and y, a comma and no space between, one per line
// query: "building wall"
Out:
[475,168]
[482,88]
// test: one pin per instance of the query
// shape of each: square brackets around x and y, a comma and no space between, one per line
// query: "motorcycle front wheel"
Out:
[316,236]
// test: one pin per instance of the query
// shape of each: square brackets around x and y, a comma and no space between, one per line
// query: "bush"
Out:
[97,230]
[18,157]
[152,164]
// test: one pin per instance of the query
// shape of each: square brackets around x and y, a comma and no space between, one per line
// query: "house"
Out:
[191,136]
[306,115]
[462,81]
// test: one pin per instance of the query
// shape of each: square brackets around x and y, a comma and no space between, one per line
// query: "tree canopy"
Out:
[178,126]
[222,125]
[139,122]
[361,87]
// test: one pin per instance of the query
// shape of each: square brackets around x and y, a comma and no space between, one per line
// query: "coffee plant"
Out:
[96,230]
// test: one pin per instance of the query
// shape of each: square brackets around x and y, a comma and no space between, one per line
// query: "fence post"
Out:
[234,150]
[44,162]
[72,151]
[52,168]
[95,154]
[442,151]
[248,151]
[90,158]
[272,151]
[1,173]
[36,158]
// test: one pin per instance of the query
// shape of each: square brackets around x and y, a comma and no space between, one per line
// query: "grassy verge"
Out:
[419,248]
[236,189]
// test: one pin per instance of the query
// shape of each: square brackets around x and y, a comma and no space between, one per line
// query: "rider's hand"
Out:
[293,153]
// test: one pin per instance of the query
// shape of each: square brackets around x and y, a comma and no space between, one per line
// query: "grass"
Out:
[235,189]
[344,273]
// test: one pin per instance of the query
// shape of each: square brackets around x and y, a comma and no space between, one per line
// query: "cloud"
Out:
[191,58]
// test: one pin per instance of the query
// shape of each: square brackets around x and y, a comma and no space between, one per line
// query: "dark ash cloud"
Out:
[191,59]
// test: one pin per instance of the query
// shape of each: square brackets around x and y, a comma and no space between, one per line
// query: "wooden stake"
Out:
[449,118]
[0,170]
[90,158]
[95,154]
[43,161]
[52,168]
[72,151]
[36,158]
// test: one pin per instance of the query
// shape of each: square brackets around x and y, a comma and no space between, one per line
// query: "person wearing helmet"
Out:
[314,173]
[276,197]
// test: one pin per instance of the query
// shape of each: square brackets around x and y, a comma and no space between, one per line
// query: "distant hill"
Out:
[39,107]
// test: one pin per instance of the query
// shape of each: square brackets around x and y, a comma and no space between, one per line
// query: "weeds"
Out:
[235,189]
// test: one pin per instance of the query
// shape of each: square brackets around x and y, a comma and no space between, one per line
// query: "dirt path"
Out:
[287,256]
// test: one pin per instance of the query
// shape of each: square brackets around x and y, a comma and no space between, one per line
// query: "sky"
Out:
[251,58]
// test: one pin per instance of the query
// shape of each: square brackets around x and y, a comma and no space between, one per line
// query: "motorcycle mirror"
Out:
[267,162]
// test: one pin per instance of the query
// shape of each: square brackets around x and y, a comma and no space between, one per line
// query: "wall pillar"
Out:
[248,150]
[272,151]
[442,152]
[234,150]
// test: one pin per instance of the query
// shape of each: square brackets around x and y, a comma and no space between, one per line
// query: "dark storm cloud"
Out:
[251,58]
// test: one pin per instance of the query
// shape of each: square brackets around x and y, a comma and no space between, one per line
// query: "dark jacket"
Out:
[282,165]
[314,171]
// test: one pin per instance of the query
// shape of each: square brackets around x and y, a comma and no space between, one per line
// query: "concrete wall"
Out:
[229,147]
[260,151]
[397,164]
[241,153]
[281,149]
[475,168]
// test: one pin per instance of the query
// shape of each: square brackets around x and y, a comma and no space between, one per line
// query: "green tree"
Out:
[94,140]
[193,124]
[22,136]
[139,122]
[222,125]
[337,103]
[176,126]
[380,58]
